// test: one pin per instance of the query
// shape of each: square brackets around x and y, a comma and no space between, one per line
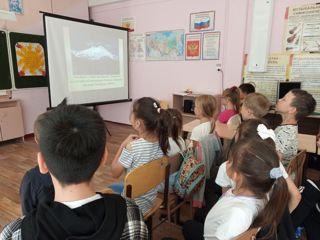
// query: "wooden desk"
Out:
[307,142]
[223,130]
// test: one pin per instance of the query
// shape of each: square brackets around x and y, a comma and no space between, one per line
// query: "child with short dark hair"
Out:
[294,106]
[35,188]
[152,142]
[72,147]
[245,89]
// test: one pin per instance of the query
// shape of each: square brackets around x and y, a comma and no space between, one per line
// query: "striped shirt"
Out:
[142,152]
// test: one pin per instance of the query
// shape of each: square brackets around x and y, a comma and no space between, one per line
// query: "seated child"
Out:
[245,89]
[257,129]
[294,106]
[254,168]
[35,187]
[152,142]
[72,147]
[260,190]
[231,103]
[205,108]
[255,105]
[176,142]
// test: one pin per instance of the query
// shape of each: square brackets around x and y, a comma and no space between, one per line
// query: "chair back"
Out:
[248,235]
[146,177]
[296,166]
[175,162]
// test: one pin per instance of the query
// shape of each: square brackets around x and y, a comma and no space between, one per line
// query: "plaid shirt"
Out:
[134,229]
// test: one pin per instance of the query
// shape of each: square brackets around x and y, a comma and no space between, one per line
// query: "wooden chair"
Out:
[173,203]
[296,166]
[248,235]
[146,177]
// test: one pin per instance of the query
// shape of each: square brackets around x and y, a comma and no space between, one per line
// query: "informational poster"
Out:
[305,68]
[128,22]
[302,28]
[211,46]
[15,6]
[193,46]
[267,82]
[165,45]
[137,45]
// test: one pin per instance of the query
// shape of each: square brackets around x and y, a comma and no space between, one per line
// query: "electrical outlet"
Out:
[219,67]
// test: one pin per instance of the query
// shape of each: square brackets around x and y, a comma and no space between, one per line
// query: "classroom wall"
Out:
[161,79]
[36,100]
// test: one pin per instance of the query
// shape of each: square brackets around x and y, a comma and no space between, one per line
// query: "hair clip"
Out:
[276,173]
[155,105]
[265,133]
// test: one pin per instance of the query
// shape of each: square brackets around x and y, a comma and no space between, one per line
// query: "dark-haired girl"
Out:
[152,142]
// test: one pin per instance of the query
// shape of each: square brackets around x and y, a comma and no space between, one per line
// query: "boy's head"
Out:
[72,143]
[245,89]
[298,103]
[255,105]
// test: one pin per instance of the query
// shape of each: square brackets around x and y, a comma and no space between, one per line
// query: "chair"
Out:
[296,166]
[146,177]
[248,235]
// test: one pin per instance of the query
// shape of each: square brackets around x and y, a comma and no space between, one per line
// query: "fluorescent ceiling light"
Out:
[6,15]
[93,3]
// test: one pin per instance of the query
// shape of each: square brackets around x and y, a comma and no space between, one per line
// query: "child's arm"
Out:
[116,168]
[294,194]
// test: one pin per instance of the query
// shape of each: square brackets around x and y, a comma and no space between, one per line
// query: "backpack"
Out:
[190,176]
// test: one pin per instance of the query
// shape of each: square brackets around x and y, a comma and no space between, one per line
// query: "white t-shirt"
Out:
[223,179]
[200,131]
[174,147]
[231,216]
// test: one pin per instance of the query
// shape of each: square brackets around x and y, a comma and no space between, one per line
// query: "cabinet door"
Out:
[11,122]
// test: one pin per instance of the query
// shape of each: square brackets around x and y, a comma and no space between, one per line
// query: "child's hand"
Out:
[129,139]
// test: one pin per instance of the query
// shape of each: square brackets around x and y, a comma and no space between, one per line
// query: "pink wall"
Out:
[157,79]
[36,100]
[161,79]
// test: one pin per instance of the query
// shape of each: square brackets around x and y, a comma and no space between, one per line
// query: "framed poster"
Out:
[211,46]
[193,46]
[28,60]
[202,21]
[15,6]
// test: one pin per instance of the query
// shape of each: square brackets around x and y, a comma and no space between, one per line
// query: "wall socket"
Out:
[219,67]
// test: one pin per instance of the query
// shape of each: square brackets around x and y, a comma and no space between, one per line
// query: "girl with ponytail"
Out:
[260,194]
[151,142]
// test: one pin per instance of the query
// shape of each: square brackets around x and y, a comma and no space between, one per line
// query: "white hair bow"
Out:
[265,133]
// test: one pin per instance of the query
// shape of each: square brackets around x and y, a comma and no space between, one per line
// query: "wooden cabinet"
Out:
[178,102]
[11,122]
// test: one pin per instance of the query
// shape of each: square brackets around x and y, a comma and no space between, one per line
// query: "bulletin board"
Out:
[299,67]
[28,60]
[5,76]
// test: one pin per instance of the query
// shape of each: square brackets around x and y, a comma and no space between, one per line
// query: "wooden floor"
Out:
[16,157]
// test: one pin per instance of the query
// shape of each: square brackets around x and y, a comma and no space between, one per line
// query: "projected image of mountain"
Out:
[97,59]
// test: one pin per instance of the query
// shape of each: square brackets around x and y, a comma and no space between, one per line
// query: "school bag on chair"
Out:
[190,176]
